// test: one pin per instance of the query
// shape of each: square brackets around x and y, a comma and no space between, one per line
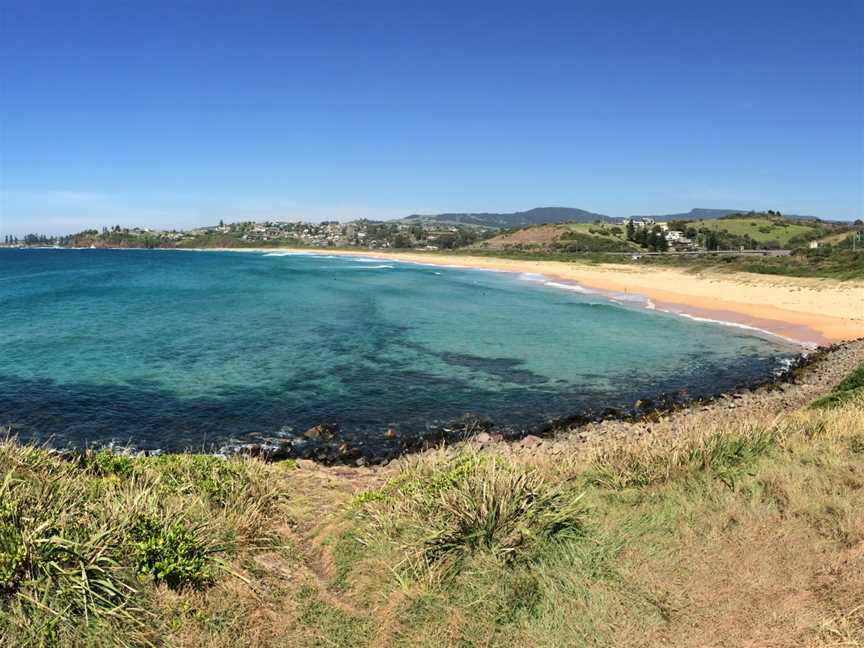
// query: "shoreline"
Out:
[808,376]
[809,312]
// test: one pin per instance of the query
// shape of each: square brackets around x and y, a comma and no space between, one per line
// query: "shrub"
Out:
[13,553]
[171,553]
[105,462]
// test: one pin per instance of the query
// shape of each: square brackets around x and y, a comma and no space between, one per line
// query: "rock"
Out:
[360,462]
[531,441]
[483,437]
[391,432]
[322,431]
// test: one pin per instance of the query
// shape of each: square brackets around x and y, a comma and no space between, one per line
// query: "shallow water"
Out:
[191,350]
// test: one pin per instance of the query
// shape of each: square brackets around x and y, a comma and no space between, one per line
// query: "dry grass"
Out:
[735,532]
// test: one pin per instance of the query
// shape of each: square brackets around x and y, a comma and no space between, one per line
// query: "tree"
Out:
[401,241]
[631,230]
[712,241]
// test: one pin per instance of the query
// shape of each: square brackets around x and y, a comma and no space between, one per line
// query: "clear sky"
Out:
[182,113]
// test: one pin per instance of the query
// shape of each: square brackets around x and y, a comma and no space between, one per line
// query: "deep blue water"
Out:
[191,350]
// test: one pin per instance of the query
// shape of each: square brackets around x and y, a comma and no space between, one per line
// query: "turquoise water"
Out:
[190,350]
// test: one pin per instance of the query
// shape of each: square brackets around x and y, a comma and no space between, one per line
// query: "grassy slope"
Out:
[762,230]
[843,265]
[834,239]
[742,533]
[563,237]
[849,389]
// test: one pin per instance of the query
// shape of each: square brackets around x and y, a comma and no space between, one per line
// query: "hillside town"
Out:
[766,232]
[361,233]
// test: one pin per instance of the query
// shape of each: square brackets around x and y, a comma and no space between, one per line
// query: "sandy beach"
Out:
[809,311]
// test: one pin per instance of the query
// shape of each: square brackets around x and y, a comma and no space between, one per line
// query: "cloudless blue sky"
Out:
[181,113]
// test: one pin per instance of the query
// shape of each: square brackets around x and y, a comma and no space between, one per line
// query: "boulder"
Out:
[324,431]
[531,441]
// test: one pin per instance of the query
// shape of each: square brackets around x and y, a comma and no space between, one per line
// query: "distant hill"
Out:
[555,215]
[707,214]
[536,216]
[561,237]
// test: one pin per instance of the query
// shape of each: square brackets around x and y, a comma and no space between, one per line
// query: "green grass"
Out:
[763,230]
[652,536]
[472,505]
[842,265]
[83,543]
[847,390]
[699,533]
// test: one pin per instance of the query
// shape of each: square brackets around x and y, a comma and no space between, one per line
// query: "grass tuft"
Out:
[440,512]
[723,455]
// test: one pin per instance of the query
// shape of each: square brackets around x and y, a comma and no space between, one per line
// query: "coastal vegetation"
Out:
[838,262]
[733,529]
[757,242]
[768,230]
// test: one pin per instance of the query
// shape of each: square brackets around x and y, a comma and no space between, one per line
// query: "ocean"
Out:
[182,350]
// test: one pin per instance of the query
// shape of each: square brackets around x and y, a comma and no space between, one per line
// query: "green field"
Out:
[617,232]
[762,230]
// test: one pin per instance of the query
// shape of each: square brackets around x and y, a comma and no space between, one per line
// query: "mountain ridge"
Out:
[504,220]
[553,215]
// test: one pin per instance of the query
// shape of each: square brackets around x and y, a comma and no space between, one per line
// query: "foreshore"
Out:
[807,311]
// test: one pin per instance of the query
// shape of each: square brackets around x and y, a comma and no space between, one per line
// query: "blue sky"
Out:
[182,113]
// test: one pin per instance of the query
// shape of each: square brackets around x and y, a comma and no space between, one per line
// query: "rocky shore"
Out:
[810,376]
[804,380]
[803,384]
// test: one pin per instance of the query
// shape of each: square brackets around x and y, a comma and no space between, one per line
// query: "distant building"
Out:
[641,223]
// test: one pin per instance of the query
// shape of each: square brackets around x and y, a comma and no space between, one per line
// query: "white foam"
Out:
[363,259]
[646,303]
[738,325]
[532,276]
[306,255]
[382,266]
[570,287]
